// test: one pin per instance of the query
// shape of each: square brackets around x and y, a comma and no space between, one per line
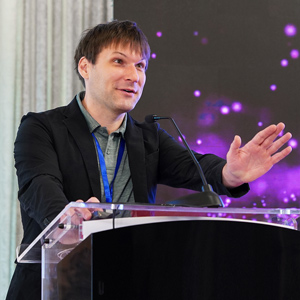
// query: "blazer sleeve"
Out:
[40,180]
[177,169]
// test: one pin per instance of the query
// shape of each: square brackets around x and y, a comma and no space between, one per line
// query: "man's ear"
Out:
[83,67]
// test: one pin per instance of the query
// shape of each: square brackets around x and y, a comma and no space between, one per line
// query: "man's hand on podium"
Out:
[85,213]
[76,214]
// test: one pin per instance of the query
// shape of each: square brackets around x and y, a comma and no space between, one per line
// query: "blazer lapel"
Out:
[78,128]
[136,154]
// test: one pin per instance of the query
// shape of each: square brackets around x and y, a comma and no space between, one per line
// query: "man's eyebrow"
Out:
[117,52]
[123,54]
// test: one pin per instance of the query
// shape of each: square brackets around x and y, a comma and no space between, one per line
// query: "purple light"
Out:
[180,139]
[153,55]
[159,33]
[273,87]
[284,63]
[206,119]
[199,142]
[236,106]
[197,93]
[290,30]
[294,53]
[293,143]
[195,33]
[224,110]
[204,41]
[228,201]
[260,124]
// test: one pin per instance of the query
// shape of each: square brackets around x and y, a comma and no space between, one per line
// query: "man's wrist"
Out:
[229,180]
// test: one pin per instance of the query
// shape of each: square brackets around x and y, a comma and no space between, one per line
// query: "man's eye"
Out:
[141,66]
[118,61]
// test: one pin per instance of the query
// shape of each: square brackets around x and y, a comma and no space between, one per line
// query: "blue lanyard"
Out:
[108,188]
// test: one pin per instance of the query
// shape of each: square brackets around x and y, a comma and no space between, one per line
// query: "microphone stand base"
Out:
[203,199]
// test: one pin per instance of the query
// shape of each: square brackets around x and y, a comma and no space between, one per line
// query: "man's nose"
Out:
[132,73]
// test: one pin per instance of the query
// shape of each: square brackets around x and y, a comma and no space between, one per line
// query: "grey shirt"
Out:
[109,143]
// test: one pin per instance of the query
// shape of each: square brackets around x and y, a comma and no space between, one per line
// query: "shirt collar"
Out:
[91,122]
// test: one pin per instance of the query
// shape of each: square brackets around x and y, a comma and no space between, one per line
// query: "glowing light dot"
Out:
[236,106]
[260,124]
[273,87]
[284,62]
[294,53]
[199,142]
[195,33]
[180,139]
[285,200]
[224,110]
[290,30]
[293,143]
[158,33]
[153,55]
[197,93]
[204,41]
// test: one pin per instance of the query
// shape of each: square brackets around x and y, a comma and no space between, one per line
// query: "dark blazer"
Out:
[56,163]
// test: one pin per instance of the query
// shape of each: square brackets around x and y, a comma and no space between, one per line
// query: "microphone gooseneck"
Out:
[208,197]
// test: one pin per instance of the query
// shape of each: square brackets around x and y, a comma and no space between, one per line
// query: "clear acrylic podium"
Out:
[68,230]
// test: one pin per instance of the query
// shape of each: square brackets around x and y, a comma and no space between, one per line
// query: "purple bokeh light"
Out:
[206,119]
[284,62]
[224,110]
[197,93]
[290,30]
[236,106]
[195,33]
[158,33]
[180,139]
[153,55]
[199,142]
[204,41]
[260,124]
[294,53]
[273,87]
[293,143]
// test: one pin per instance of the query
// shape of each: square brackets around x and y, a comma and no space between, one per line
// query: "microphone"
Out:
[207,198]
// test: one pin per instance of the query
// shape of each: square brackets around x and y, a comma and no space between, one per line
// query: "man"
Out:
[74,153]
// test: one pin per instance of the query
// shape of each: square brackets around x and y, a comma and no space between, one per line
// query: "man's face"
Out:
[116,80]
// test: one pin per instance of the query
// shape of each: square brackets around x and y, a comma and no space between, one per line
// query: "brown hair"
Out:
[94,40]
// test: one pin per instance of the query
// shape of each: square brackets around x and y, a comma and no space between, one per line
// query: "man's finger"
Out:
[263,135]
[275,146]
[281,155]
[272,137]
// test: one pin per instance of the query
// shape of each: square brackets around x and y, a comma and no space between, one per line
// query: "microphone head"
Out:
[150,119]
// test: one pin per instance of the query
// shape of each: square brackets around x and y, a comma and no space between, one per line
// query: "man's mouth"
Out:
[129,91]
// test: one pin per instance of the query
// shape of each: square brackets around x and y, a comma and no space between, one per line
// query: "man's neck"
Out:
[105,118]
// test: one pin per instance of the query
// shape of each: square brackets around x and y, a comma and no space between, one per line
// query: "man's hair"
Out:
[115,33]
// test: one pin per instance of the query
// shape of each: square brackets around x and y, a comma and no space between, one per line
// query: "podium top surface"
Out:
[67,227]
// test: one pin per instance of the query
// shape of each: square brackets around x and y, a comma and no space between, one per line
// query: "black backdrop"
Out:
[232,53]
